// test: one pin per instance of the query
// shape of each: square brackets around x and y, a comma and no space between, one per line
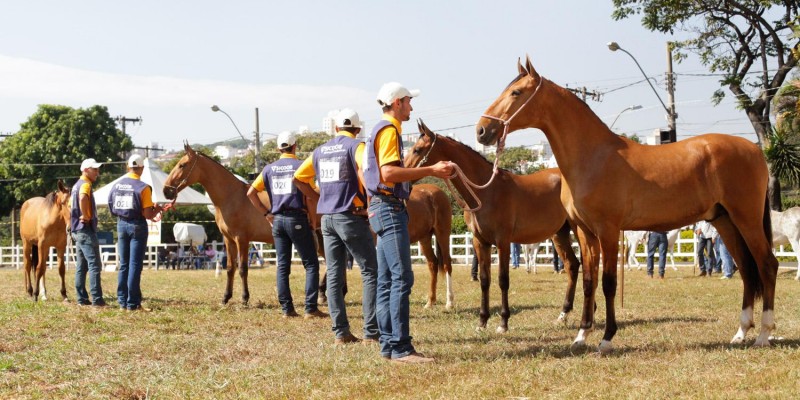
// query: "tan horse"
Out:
[429,213]
[613,184]
[43,223]
[514,208]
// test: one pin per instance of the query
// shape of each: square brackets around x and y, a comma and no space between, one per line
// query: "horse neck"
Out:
[572,129]
[218,181]
[475,168]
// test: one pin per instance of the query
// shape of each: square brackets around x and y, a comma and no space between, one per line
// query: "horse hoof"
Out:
[605,348]
[427,305]
[562,318]
[737,340]
[448,306]
[480,329]
[578,346]
[501,329]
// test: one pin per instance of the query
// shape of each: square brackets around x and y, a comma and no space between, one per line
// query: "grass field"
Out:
[672,343]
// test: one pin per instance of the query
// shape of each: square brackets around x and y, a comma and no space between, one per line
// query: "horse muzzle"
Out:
[487,132]
[170,193]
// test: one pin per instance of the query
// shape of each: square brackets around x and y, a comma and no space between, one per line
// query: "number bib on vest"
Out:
[328,171]
[282,185]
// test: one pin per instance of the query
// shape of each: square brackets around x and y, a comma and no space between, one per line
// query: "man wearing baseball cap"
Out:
[387,181]
[83,229]
[131,201]
[345,229]
[288,214]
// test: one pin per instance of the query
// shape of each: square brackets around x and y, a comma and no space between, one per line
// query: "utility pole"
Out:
[122,120]
[672,115]
[147,150]
[584,93]
[257,150]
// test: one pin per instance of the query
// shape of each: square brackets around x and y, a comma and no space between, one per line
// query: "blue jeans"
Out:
[290,228]
[131,247]
[657,239]
[516,248]
[706,265]
[389,220]
[87,256]
[342,234]
[725,256]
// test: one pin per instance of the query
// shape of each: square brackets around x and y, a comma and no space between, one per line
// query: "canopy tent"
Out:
[154,177]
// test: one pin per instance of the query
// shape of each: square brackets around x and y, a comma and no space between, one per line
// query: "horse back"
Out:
[41,222]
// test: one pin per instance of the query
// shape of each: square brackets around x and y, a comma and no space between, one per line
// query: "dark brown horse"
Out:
[613,184]
[43,223]
[513,208]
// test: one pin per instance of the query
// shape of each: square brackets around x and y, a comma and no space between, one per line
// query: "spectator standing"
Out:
[83,229]
[345,230]
[657,239]
[387,181]
[706,234]
[288,215]
[516,248]
[131,201]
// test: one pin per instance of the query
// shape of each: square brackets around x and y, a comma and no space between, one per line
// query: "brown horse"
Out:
[513,208]
[429,213]
[43,223]
[613,184]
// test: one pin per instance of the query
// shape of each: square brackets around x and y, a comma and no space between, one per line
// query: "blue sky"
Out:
[168,62]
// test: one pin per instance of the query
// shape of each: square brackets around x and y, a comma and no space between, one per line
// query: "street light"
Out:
[215,108]
[630,108]
[671,114]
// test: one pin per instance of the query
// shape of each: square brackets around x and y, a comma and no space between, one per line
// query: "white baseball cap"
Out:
[347,118]
[89,163]
[135,161]
[392,91]
[286,139]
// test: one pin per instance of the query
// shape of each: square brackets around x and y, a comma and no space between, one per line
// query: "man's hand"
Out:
[442,169]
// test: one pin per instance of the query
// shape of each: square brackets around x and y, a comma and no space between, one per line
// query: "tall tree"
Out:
[51,144]
[754,44]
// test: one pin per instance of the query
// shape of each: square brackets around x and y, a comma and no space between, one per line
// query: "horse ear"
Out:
[520,68]
[531,71]
[61,186]
[423,129]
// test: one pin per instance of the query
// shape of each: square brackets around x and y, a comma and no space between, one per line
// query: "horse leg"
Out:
[235,261]
[590,253]
[563,247]
[484,254]
[503,252]
[762,265]
[323,287]
[62,269]
[736,245]
[244,267]
[609,247]
[447,265]
[28,260]
[430,257]
[40,270]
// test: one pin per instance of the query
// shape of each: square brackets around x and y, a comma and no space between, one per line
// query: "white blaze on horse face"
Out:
[745,323]
[767,326]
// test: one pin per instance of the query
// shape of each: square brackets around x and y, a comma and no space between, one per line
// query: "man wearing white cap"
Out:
[131,201]
[83,229]
[387,181]
[288,214]
[342,204]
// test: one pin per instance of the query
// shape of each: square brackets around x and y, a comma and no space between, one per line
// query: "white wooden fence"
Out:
[460,251]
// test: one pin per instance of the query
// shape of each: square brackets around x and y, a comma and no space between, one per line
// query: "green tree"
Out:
[517,159]
[754,44]
[50,146]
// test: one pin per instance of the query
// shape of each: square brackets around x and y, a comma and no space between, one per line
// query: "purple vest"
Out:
[278,177]
[125,199]
[75,212]
[372,171]
[337,174]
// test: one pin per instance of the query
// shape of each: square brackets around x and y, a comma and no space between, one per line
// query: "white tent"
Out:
[154,177]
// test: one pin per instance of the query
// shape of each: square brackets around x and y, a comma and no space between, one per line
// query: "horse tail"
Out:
[34,256]
[768,220]
[749,269]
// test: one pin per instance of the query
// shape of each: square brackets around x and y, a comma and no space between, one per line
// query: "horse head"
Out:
[183,174]
[503,115]
[421,151]
[62,196]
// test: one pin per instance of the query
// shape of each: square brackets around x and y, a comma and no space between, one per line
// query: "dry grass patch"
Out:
[672,343]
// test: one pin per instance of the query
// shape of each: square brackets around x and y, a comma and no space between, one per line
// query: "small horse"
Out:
[518,208]
[612,183]
[429,213]
[786,230]
[43,223]
[635,238]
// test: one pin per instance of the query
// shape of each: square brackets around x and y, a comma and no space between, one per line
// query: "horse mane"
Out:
[209,158]
[51,198]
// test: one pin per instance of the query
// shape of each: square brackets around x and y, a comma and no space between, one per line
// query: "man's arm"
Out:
[395,173]
[85,205]
[252,195]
